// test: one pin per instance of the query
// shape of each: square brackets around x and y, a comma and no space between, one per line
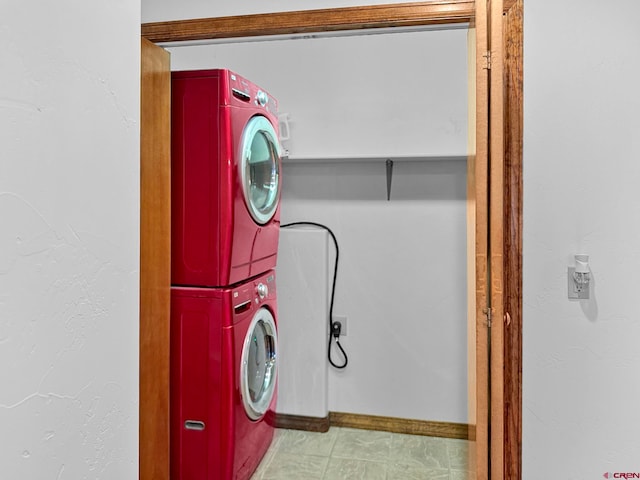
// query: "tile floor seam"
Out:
[333,445]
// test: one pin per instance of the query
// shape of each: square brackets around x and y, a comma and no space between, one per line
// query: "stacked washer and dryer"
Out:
[225,231]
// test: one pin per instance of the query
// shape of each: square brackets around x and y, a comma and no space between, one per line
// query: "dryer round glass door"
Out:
[258,369]
[260,168]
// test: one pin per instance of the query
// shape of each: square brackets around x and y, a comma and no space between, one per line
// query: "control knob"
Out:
[262,290]
[262,98]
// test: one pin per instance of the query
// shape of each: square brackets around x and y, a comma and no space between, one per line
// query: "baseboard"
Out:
[400,425]
[299,422]
[373,422]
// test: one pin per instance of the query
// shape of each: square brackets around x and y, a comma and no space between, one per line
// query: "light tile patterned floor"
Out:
[349,454]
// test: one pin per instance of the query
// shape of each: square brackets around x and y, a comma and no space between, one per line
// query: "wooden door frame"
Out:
[513,45]
[155,258]
[498,130]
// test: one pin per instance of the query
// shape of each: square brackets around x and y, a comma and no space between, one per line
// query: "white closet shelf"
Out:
[371,158]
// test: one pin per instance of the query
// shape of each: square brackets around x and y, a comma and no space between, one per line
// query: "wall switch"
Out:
[580,292]
[343,321]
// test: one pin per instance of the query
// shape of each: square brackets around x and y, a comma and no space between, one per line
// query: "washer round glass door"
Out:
[258,369]
[260,168]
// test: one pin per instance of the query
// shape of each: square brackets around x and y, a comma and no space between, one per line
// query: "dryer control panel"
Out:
[244,92]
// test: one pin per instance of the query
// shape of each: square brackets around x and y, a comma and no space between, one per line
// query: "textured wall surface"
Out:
[69,236]
[581,150]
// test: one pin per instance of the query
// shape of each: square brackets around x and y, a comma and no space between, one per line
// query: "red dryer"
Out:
[225,179]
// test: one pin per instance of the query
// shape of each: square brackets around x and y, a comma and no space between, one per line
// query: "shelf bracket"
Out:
[389,177]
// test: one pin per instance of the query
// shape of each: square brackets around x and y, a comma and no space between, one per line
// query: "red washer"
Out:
[223,379]
[225,179]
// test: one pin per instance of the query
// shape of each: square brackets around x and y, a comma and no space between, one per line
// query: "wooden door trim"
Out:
[155,255]
[415,14]
[496,237]
[312,21]
[480,455]
[513,133]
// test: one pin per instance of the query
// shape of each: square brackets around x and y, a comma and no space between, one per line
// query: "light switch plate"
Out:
[574,292]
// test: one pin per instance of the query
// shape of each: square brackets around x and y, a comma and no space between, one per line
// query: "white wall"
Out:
[401,282]
[402,279]
[581,169]
[303,314]
[394,94]
[69,236]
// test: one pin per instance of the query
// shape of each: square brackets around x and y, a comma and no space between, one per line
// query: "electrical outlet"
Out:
[343,322]
[576,291]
